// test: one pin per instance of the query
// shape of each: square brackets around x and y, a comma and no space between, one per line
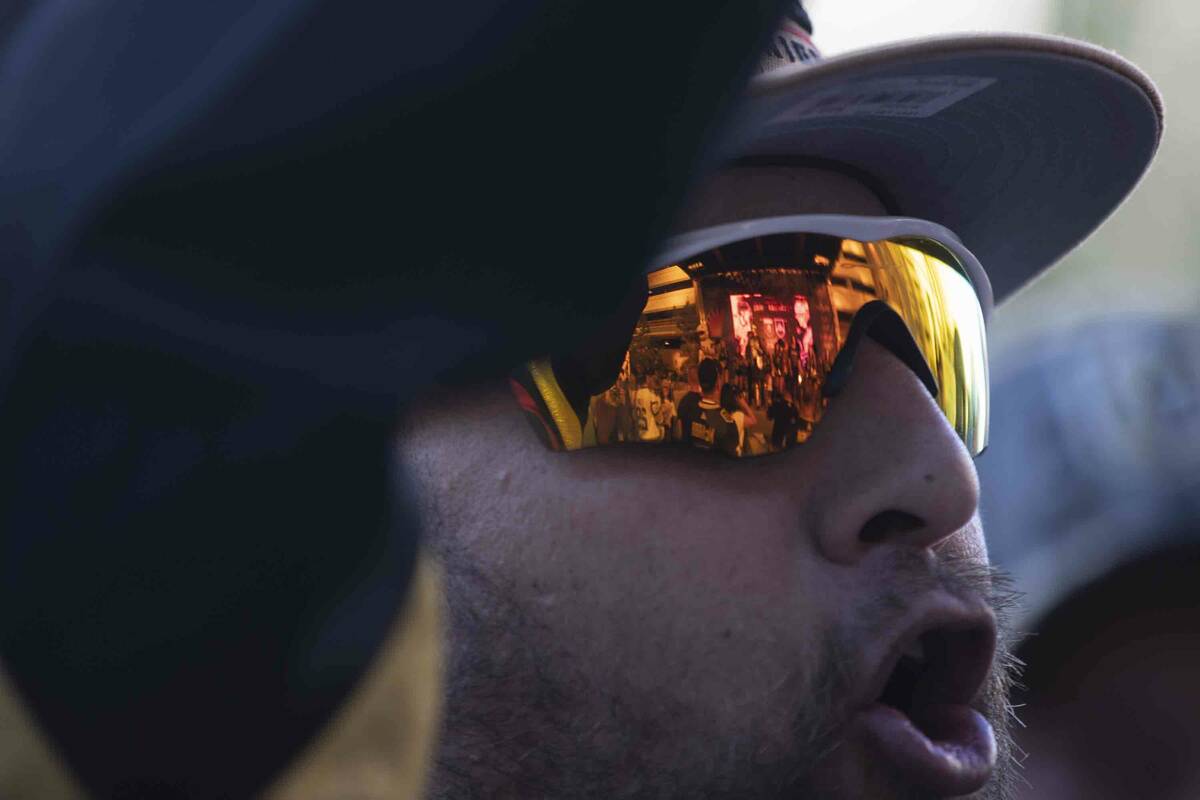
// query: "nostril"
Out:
[888,523]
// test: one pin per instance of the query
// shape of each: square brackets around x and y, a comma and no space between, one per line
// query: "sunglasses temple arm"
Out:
[881,323]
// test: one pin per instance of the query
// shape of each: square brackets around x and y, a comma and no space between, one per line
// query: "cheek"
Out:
[703,591]
[712,545]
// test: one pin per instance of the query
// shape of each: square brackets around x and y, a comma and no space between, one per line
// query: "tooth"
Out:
[915,650]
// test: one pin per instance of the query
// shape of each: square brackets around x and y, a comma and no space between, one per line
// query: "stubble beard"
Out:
[523,721]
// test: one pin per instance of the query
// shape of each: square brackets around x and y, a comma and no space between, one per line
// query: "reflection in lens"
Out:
[732,348]
[942,312]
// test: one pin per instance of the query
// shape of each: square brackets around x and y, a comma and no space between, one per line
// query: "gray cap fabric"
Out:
[1020,144]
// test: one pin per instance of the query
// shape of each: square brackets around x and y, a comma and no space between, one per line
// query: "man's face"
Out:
[800,311]
[657,622]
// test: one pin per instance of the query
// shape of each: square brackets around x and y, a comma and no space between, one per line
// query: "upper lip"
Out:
[966,632]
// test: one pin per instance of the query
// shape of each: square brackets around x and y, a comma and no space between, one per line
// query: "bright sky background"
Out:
[841,25]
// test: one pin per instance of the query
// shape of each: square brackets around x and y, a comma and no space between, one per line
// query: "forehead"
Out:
[750,192]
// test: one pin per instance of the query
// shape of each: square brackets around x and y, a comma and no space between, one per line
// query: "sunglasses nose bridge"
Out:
[881,323]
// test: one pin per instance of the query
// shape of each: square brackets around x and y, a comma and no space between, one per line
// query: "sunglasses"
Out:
[740,338]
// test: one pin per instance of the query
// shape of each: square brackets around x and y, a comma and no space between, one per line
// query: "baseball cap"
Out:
[1021,144]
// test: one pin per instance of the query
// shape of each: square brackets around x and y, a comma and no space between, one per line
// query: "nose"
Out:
[893,471]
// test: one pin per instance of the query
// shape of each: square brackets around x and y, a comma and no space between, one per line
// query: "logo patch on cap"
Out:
[791,45]
[916,96]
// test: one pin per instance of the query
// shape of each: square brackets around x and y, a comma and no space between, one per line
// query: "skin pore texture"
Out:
[641,622]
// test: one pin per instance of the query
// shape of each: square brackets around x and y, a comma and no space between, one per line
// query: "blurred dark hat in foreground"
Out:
[235,237]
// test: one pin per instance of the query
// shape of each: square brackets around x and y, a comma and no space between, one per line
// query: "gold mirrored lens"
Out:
[939,306]
[732,348]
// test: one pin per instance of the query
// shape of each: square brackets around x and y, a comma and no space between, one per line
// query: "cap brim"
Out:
[1020,144]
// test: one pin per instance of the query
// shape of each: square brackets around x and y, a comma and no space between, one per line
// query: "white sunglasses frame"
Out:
[860,228]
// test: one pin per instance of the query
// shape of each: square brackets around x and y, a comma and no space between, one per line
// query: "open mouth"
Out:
[922,718]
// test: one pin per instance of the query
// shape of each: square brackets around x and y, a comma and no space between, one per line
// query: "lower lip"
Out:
[956,757]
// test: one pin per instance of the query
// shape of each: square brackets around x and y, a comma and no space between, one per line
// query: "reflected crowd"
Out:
[756,400]
[733,349]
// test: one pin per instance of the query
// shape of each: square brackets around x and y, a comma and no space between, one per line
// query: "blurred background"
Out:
[1091,484]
